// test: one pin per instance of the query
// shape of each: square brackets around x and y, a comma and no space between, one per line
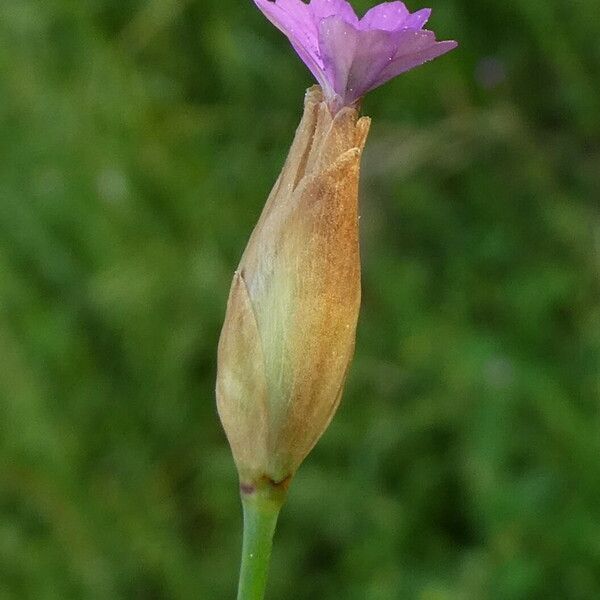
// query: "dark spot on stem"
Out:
[282,485]
[247,488]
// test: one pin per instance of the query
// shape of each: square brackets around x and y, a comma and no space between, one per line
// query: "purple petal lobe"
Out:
[337,43]
[369,70]
[418,19]
[375,50]
[293,20]
[404,63]
[388,16]
[409,41]
[321,9]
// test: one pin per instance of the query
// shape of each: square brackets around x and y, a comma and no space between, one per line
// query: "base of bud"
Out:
[261,501]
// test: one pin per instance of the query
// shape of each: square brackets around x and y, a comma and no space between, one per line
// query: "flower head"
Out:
[350,56]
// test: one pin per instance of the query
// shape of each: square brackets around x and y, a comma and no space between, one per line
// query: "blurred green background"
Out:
[138,142]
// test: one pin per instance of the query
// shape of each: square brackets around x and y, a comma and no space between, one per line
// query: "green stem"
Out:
[261,509]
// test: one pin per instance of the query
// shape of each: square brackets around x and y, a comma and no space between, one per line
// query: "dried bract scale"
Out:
[290,325]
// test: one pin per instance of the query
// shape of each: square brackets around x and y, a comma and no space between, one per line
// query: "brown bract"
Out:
[290,325]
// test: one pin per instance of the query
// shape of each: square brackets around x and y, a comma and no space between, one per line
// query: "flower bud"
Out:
[290,325]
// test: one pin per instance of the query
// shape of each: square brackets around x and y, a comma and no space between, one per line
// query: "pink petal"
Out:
[388,16]
[375,50]
[418,18]
[337,43]
[292,18]
[321,9]
[406,62]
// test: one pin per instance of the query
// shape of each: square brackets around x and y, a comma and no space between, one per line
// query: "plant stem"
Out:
[261,509]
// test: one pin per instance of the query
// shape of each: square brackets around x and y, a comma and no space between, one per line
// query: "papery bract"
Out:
[290,325]
[350,56]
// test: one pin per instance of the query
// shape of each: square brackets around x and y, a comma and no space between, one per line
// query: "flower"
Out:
[350,56]
[290,323]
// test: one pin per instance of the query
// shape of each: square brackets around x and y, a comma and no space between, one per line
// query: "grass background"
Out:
[138,142]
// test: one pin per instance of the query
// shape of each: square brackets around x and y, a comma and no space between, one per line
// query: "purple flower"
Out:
[350,56]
